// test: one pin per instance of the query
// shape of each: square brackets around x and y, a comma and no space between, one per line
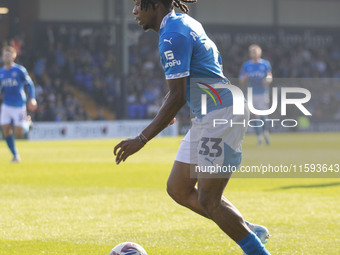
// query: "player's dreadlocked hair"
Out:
[181,4]
[169,4]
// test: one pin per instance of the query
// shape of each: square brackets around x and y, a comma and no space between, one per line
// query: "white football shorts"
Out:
[206,144]
[15,115]
[261,101]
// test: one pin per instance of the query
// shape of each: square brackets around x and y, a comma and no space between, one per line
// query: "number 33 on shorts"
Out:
[216,149]
[220,145]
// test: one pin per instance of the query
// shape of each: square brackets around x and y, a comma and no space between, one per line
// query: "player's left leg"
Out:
[226,216]
[22,122]
[261,102]
[259,127]
[19,131]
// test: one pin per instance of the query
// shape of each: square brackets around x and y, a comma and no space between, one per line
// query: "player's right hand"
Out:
[126,148]
[172,122]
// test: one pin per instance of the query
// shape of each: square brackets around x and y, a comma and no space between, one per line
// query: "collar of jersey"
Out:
[166,17]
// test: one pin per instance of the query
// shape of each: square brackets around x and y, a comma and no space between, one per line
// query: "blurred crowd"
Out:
[85,58]
[316,69]
[63,58]
[320,65]
[80,57]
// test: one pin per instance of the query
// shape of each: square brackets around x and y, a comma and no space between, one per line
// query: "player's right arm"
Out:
[174,119]
[243,77]
[173,102]
[176,51]
[269,78]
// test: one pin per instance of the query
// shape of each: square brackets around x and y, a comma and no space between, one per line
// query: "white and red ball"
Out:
[128,248]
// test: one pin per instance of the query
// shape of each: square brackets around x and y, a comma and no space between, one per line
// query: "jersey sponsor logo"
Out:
[9,82]
[257,74]
[169,55]
[169,41]
[173,63]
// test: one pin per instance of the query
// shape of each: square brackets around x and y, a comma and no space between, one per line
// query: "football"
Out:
[128,248]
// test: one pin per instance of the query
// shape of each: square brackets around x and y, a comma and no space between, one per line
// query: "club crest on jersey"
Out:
[14,74]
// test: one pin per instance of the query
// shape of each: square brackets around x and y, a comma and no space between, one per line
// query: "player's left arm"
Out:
[32,104]
[269,78]
[173,102]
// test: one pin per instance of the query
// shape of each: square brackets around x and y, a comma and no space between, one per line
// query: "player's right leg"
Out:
[7,129]
[210,192]
[182,188]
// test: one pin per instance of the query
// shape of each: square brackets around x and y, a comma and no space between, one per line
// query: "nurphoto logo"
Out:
[239,106]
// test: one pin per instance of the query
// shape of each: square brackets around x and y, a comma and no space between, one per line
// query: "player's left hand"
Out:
[126,148]
[32,105]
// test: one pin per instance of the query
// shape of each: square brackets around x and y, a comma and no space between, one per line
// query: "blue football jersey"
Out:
[186,51]
[12,82]
[256,72]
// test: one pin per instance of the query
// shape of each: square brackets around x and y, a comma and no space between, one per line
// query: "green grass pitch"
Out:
[68,197]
